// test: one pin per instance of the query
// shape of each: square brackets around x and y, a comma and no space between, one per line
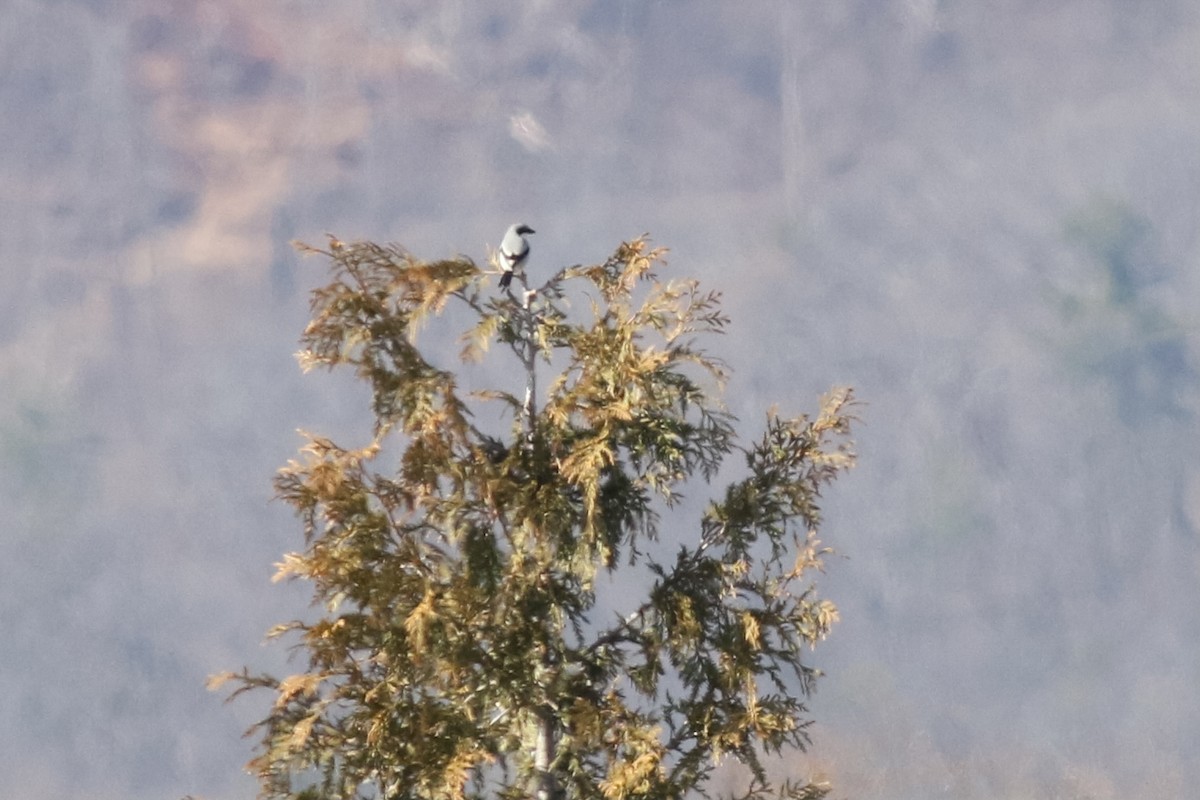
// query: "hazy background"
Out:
[984,216]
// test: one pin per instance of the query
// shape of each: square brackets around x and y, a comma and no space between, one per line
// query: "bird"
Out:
[514,250]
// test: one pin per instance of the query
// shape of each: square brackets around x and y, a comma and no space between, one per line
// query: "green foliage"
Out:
[458,651]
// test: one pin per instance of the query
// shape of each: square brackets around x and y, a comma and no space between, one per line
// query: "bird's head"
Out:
[523,229]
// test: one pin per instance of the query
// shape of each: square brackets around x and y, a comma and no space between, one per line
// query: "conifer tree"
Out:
[475,632]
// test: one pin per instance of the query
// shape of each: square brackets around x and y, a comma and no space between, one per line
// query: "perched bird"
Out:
[513,251]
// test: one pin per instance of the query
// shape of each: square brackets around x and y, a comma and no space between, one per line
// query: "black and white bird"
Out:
[514,250]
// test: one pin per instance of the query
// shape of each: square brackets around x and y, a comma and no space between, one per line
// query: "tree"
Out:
[477,635]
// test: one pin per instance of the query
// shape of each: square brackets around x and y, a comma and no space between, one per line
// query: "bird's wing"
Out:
[514,248]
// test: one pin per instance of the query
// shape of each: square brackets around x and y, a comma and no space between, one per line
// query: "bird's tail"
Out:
[505,280]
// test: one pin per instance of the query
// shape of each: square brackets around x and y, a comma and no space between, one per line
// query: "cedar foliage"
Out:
[459,650]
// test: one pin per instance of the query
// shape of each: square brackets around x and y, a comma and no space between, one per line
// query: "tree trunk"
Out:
[543,754]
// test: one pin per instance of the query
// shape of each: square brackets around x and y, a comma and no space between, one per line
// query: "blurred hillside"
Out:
[986,217]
